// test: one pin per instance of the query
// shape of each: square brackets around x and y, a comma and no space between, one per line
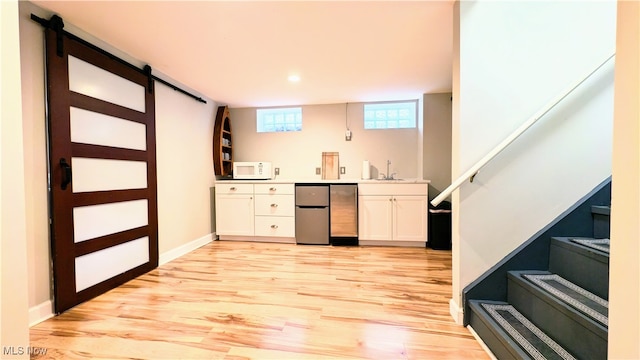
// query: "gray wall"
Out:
[437,141]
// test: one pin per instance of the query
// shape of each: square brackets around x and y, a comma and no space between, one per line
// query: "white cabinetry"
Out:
[389,213]
[375,217]
[255,211]
[275,211]
[234,210]
[392,214]
[410,218]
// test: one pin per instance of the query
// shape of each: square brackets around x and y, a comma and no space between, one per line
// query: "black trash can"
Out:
[440,226]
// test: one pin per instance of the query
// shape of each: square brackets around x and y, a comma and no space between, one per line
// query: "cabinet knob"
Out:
[274,205]
[274,226]
[233,188]
[272,189]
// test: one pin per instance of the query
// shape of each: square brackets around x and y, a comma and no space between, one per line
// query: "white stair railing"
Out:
[469,174]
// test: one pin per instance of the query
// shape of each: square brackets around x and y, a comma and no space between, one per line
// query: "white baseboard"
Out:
[419,244]
[184,249]
[482,344]
[268,239]
[40,313]
[457,313]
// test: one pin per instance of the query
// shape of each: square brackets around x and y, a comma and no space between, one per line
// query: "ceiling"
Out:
[240,53]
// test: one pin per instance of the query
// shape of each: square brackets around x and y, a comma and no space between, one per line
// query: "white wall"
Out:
[184,149]
[297,154]
[13,231]
[513,58]
[35,159]
[437,141]
[624,265]
[184,130]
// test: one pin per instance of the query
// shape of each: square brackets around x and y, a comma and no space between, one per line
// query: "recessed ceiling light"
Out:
[294,78]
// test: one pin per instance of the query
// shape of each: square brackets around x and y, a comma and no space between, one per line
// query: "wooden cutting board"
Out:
[330,166]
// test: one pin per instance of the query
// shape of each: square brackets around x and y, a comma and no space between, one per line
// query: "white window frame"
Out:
[389,115]
[281,119]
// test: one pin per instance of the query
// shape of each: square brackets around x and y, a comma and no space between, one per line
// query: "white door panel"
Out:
[98,220]
[88,127]
[101,265]
[90,80]
[105,174]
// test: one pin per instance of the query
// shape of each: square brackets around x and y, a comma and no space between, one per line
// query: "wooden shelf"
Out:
[222,144]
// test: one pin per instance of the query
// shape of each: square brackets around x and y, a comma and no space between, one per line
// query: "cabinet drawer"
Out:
[276,205]
[275,226]
[228,189]
[392,189]
[274,189]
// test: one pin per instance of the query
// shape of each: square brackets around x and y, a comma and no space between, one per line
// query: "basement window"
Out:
[279,119]
[391,115]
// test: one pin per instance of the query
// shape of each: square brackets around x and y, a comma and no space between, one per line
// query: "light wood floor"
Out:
[237,300]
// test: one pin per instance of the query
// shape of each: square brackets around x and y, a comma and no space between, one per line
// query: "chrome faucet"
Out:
[388,176]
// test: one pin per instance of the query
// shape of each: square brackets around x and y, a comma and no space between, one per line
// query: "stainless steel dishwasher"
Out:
[343,209]
[312,214]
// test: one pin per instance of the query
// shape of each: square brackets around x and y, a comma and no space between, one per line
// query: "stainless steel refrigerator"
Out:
[312,214]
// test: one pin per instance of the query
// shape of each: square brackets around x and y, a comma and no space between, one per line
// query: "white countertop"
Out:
[322,181]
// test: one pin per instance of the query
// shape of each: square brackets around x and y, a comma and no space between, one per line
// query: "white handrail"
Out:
[514,135]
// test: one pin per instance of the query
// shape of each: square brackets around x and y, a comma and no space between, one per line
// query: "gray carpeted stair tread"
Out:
[597,244]
[575,296]
[562,310]
[533,341]
[571,244]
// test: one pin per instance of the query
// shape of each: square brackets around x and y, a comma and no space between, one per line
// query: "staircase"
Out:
[557,313]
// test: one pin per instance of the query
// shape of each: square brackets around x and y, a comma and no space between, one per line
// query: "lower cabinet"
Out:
[234,210]
[410,218]
[275,211]
[392,213]
[375,217]
[255,211]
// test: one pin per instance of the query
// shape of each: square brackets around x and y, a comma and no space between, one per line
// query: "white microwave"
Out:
[257,170]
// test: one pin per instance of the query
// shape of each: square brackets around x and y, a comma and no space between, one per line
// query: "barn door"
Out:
[102,169]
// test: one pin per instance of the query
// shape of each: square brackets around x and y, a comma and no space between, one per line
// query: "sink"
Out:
[390,179]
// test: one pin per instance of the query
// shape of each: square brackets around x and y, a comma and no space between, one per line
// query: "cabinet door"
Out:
[374,217]
[234,215]
[410,218]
